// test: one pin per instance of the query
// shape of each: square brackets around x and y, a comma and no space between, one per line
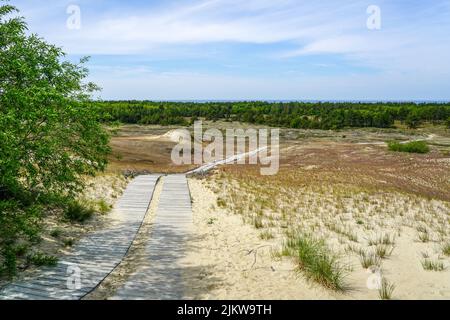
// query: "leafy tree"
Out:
[49,130]
[324,115]
[413,120]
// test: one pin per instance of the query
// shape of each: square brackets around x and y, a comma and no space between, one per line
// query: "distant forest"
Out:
[323,115]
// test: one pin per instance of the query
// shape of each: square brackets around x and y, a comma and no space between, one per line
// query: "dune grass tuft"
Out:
[316,261]
[386,290]
[77,212]
[369,259]
[446,249]
[432,265]
[383,251]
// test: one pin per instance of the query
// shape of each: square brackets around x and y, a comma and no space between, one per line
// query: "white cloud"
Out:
[409,51]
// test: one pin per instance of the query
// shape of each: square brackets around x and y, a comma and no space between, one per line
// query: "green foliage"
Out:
[103,206]
[413,120]
[40,259]
[56,233]
[77,212]
[320,115]
[69,242]
[411,147]
[316,261]
[50,132]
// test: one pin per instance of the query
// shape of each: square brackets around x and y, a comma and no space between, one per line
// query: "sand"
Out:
[227,259]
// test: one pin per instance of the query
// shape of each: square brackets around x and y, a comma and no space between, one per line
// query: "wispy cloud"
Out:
[268,38]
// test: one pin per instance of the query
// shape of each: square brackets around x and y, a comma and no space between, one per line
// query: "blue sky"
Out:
[255,49]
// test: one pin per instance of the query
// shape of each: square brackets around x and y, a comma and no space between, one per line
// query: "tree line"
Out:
[304,115]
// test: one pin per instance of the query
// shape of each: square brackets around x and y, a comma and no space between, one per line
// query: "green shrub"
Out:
[40,259]
[56,233]
[21,249]
[76,212]
[8,264]
[103,206]
[411,147]
[19,227]
[69,242]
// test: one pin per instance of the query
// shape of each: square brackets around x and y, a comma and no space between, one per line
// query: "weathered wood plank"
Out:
[95,256]
[161,276]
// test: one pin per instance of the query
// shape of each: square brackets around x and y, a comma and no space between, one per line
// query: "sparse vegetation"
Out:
[353,215]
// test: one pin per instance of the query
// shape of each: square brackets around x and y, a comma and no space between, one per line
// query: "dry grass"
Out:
[359,198]
[138,149]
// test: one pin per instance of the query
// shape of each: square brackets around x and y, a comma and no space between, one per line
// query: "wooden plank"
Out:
[161,276]
[96,255]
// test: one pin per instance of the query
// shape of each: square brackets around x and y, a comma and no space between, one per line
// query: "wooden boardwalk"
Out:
[161,277]
[95,256]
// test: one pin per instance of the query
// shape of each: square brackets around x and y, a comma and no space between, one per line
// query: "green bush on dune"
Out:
[410,147]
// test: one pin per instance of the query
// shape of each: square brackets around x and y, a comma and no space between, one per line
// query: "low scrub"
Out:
[19,228]
[410,147]
[77,212]
[40,259]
